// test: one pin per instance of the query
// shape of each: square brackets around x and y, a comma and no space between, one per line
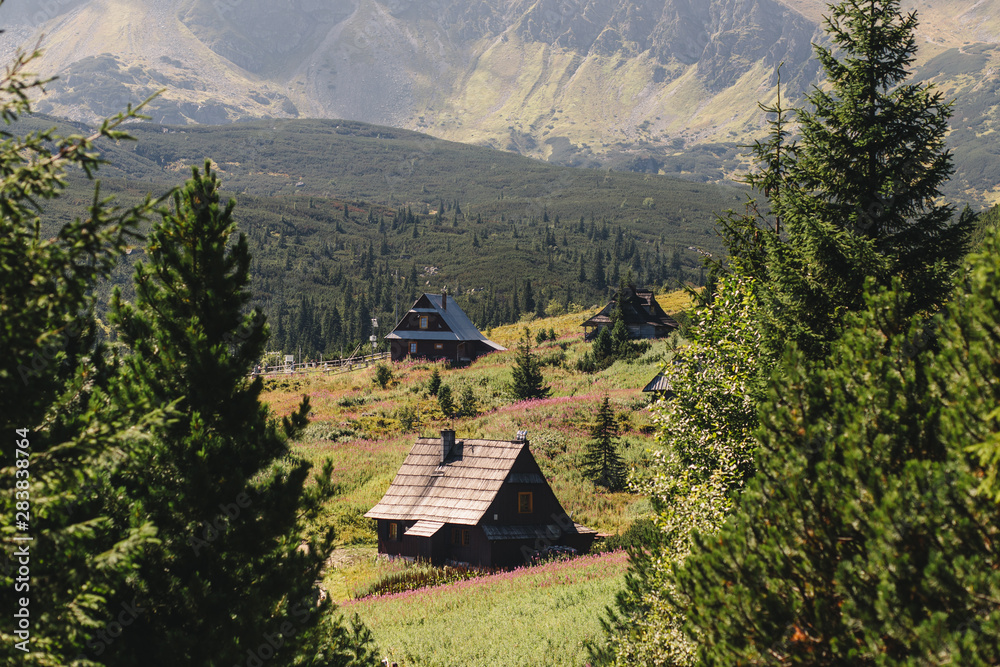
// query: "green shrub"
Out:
[640,533]
[383,375]
[555,359]
[407,417]
[587,363]
[352,400]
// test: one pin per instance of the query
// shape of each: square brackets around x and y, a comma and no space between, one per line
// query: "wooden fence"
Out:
[333,367]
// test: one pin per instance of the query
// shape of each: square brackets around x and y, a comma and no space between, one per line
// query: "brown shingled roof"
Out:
[459,491]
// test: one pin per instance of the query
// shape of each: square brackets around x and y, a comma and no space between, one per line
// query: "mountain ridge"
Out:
[623,83]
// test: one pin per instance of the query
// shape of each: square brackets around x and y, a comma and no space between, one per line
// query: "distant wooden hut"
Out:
[437,328]
[642,314]
[480,502]
[660,385]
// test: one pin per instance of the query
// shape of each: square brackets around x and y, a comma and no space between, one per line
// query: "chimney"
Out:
[444,299]
[447,443]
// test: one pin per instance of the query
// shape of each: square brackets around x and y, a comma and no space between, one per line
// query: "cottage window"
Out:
[393,531]
[460,536]
[438,346]
[465,538]
[524,502]
[413,348]
[423,321]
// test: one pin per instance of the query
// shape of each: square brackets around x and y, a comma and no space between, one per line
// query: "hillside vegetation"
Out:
[505,234]
[547,613]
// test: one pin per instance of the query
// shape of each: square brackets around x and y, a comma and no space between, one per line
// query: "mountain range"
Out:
[668,86]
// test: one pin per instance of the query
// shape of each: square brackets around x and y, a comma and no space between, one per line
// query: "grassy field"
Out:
[548,612]
[367,431]
[531,616]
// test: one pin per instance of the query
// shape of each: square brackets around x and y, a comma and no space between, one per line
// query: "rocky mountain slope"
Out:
[635,84]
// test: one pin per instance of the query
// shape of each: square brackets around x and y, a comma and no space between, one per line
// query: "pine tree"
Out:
[469,404]
[527,380]
[604,348]
[434,384]
[602,463]
[529,297]
[966,367]
[862,539]
[621,340]
[445,401]
[219,482]
[53,386]
[600,281]
[858,196]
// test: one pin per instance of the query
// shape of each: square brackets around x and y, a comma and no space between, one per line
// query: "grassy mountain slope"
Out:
[585,82]
[421,214]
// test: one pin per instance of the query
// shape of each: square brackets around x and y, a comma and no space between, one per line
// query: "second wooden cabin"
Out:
[479,502]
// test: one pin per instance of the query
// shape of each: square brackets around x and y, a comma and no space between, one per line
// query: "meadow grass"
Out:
[367,431]
[532,616]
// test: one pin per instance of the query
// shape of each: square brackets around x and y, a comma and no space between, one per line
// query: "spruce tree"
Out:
[858,195]
[602,464]
[855,199]
[219,482]
[383,376]
[527,380]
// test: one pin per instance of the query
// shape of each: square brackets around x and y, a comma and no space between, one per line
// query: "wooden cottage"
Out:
[437,328]
[642,314]
[480,502]
[659,385]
